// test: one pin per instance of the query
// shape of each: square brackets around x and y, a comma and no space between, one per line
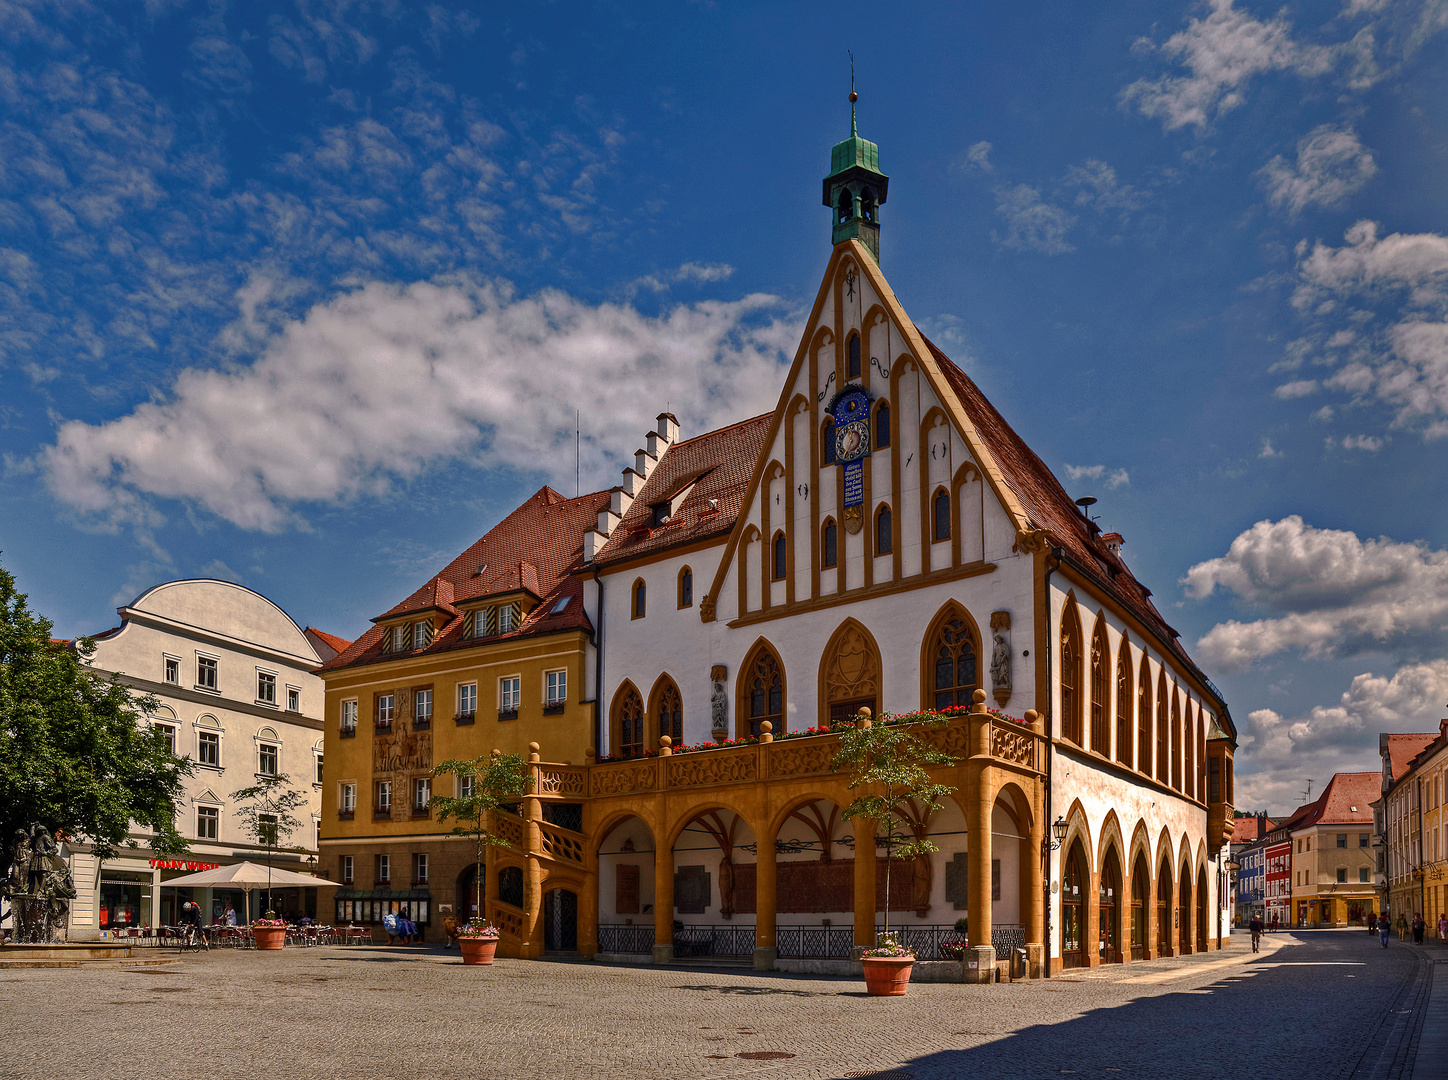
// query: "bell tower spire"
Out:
[855,188]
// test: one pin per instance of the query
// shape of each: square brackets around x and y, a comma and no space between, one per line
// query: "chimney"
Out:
[1261,824]
[1113,542]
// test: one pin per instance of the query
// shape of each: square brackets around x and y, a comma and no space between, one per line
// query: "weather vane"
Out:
[853,96]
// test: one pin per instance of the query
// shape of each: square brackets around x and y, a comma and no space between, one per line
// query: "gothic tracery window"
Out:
[829,547]
[1071,720]
[764,690]
[882,425]
[630,724]
[1124,690]
[669,713]
[941,505]
[1100,657]
[1163,758]
[955,669]
[884,532]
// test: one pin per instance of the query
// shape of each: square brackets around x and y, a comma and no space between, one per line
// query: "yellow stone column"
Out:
[533,871]
[1033,878]
[765,950]
[663,893]
[979,802]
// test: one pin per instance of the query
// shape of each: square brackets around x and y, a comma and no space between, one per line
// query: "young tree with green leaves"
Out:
[76,752]
[890,762]
[266,816]
[483,785]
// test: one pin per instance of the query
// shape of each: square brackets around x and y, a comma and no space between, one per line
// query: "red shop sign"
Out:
[181,864]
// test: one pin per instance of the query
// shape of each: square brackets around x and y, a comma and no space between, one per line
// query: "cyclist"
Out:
[191,923]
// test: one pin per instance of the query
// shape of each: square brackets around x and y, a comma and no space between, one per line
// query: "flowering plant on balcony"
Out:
[887,945]
[478,928]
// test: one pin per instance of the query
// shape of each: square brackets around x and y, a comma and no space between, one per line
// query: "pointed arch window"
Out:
[629,723]
[1163,758]
[940,507]
[955,664]
[882,425]
[1189,747]
[686,588]
[884,531]
[827,442]
[780,552]
[764,691]
[1071,721]
[669,712]
[1201,754]
[640,599]
[829,544]
[1124,691]
[867,204]
[844,206]
[1100,659]
[1176,740]
[852,368]
[1143,717]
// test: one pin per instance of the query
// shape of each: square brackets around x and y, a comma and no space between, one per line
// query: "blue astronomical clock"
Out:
[850,410]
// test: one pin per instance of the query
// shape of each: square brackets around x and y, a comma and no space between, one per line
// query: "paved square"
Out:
[1316,1006]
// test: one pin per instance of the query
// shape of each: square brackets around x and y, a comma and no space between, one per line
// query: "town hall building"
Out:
[882,543]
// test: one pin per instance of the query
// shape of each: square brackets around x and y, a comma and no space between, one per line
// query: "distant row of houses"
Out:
[1371,842]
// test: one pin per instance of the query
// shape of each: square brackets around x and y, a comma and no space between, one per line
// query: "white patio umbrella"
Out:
[247,876]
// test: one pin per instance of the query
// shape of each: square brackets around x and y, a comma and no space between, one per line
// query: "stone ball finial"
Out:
[591,754]
[766,732]
[665,746]
[665,740]
[979,698]
[533,752]
[864,717]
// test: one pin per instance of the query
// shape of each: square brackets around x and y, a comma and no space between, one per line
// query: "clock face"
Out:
[852,441]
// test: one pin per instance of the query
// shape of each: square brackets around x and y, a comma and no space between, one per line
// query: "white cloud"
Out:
[1282,752]
[1367,264]
[1325,591]
[1268,450]
[1035,225]
[1370,443]
[1113,478]
[977,158]
[1097,186]
[376,385]
[1300,388]
[1222,54]
[1331,165]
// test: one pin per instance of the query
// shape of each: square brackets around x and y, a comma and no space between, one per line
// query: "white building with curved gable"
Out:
[234,678]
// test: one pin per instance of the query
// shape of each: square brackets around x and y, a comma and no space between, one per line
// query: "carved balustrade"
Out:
[563,844]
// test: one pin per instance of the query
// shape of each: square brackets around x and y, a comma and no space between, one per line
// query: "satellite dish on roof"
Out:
[1085,501]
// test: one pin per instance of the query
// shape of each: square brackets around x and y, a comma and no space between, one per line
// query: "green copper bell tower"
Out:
[855,188]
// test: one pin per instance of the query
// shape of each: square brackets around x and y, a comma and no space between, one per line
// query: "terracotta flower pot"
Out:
[478,950]
[270,937]
[887,976]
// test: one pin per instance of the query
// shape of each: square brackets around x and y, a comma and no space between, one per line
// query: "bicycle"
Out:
[193,940]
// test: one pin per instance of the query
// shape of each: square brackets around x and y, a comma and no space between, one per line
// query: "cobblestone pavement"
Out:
[1313,1005]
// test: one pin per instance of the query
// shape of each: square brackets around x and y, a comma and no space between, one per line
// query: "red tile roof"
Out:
[323,641]
[1049,507]
[1402,749]
[1347,800]
[1244,829]
[536,547]
[721,464]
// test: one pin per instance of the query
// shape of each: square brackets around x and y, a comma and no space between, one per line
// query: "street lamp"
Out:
[1058,830]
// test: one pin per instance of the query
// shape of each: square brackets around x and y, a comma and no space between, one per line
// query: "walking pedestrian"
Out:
[1383,929]
[1256,927]
[1402,925]
[1276,919]
[1443,929]
[1420,925]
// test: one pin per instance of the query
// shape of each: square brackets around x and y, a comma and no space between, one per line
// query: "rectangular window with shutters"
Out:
[507,618]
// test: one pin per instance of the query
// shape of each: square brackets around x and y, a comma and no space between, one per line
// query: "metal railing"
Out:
[815,942]
[716,940]
[629,940]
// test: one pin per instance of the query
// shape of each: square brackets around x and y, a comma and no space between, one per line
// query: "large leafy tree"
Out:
[75,753]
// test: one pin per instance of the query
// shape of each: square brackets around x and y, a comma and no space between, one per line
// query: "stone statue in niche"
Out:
[1000,657]
[40,886]
[719,703]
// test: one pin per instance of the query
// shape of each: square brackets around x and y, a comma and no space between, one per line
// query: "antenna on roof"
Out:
[578,450]
[1086,502]
[1306,795]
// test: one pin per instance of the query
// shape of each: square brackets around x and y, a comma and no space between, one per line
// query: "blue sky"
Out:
[306,295]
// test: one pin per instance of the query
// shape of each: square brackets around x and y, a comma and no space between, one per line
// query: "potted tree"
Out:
[482,784]
[888,762]
[266,816]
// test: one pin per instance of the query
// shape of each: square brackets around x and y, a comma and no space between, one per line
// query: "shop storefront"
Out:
[124,900]
[368,907]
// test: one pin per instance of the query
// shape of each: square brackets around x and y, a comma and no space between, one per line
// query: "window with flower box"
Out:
[510,694]
[421,796]
[467,703]
[348,806]
[385,709]
[555,692]
[382,799]
[422,709]
[348,728]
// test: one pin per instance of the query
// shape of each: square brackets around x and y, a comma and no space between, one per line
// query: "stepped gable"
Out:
[535,550]
[719,464]
[1049,507]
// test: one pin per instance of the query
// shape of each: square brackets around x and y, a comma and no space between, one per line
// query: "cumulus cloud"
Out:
[374,386]
[1113,478]
[1403,365]
[1097,186]
[1222,54]
[1370,443]
[1283,751]
[1297,389]
[1034,224]
[1323,591]
[1331,165]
